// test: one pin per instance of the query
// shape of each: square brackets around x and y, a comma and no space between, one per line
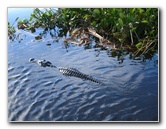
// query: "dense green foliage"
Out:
[127,26]
[136,28]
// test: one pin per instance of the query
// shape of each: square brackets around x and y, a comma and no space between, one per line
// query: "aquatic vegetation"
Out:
[11,30]
[134,30]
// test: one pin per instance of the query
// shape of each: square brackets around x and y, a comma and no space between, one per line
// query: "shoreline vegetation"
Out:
[132,31]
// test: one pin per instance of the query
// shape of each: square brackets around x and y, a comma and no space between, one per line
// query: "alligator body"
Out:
[65,70]
[75,73]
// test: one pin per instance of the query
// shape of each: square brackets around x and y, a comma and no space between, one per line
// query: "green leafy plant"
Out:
[133,29]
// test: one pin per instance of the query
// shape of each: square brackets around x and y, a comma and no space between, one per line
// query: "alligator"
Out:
[67,71]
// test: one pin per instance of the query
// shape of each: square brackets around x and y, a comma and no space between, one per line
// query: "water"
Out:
[35,93]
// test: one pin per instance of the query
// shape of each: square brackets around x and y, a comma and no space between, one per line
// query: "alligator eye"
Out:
[31,59]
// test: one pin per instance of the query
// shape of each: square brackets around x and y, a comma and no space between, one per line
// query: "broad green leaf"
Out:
[144,21]
[138,45]
[120,21]
[16,18]
[121,15]
[96,11]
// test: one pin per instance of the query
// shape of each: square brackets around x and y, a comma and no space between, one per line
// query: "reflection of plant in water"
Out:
[40,19]
[12,35]
[123,30]
[12,30]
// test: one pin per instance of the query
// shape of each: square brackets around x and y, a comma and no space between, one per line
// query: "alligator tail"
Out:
[96,81]
[75,73]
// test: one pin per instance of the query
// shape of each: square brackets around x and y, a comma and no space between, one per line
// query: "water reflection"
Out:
[20,36]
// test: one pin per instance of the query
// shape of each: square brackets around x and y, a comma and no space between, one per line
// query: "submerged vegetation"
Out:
[130,30]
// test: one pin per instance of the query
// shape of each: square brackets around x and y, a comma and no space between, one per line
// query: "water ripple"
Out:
[42,94]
